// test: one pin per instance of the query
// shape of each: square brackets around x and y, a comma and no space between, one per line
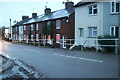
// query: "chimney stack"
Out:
[47,11]
[34,15]
[69,4]
[25,17]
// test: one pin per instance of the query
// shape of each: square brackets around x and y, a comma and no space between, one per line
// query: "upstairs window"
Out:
[16,28]
[24,28]
[115,6]
[31,27]
[48,23]
[58,24]
[114,31]
[32,37]
[92,31]
[93,10]
[37,26]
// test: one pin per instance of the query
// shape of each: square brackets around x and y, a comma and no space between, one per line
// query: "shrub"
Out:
[107,42]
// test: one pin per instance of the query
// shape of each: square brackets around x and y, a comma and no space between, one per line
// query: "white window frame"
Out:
[24,28]
[114,30]
[92,6]
[16,36]
[37,26]
[58,24]
[37,37]
[57,41]
[115,8]
[32,37]
[81,32]
[24,37]
[93,30]
[31,28]
[16,28]
[48,23]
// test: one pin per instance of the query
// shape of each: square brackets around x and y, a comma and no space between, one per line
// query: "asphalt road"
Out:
[58,63]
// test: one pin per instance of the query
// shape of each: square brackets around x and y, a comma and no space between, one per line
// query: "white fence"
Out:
[64,43]
[92,43]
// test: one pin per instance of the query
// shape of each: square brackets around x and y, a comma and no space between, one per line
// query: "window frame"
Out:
[16,28]
[93,30]
[58,24]
[32,37]
[37,27]
[57,40]
[24,28]
[92,7]
[114,31]
[115,8]
[81,32]
[37,37]
[31,27]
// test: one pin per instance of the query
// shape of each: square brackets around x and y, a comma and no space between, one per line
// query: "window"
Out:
[58,24]
[115,7]
[24,28]
[21,28]
[16,28]
[31,27]
[32,37]
[93,9]
[37,37]
[37,26]
[48,23]
[57,38]
[81,32]
[92,31]
[16,36]
[114,31]
[24,37]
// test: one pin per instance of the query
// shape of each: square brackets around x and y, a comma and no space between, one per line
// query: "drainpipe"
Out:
[72,46]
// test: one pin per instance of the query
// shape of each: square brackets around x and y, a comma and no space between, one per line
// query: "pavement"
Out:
[58,63]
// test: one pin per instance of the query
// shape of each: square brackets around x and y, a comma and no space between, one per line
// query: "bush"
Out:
[107,42]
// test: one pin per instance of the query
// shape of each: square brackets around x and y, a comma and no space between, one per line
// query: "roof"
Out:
[21,22]
[51,16]
[82,3]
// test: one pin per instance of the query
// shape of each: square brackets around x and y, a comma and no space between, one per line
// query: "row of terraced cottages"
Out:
[84,22]
[52,26]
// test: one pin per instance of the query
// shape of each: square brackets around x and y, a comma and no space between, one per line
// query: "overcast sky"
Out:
[14,9]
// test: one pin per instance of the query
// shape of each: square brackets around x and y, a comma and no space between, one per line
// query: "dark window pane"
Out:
[117,7]
[90,10]
[113,6]
[117,32]
[95,11]
[112,31]
[95,6]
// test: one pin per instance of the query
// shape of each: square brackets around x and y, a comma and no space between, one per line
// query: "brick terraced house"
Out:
[54,25]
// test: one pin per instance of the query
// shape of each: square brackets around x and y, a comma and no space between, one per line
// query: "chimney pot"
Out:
[34,15]
[25,17]
[47,11]
[69,4]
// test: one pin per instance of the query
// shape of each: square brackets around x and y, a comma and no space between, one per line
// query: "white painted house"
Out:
[93,19]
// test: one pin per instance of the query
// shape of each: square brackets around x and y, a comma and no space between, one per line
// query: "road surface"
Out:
[58,63]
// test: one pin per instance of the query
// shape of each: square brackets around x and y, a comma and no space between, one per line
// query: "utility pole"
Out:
[10,33]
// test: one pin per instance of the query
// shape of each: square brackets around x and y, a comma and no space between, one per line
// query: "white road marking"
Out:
[93,60]
[79,58]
